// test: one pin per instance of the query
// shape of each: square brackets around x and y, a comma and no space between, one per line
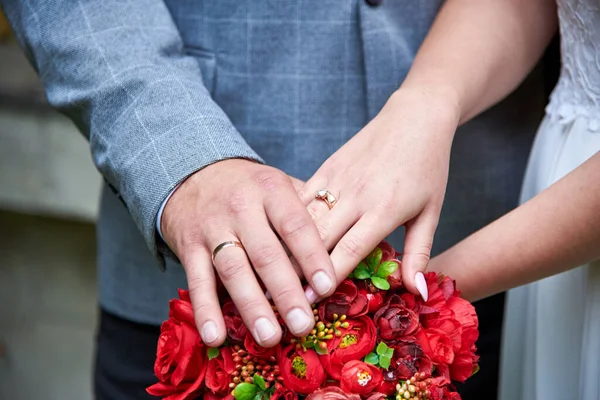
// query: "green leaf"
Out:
[384,362]
[475,370]
[308,344]
[389,352]
[374,259]
[320,350]
[372,358]
[258,396]
[381,349]
[386,269]
[259,381]
[213,352]
[361,272]
[244,391]
[380,283]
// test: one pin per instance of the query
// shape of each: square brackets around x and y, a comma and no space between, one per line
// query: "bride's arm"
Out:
[557,230]
[477,52]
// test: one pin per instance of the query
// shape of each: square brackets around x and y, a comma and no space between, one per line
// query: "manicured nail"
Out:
[298,321]
[209,332]
[310,294]
[421,285]
[322,282]
[264,329]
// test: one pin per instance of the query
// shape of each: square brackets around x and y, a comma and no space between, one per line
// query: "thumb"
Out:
[417,252]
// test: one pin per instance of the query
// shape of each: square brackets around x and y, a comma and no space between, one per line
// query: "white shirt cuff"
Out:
[160,212]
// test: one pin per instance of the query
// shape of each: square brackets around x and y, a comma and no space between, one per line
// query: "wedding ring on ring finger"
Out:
[327,197]
[224,245]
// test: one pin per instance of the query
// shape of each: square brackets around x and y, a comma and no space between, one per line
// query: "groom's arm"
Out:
[117,68]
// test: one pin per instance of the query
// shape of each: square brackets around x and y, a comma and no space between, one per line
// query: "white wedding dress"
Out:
[551,344]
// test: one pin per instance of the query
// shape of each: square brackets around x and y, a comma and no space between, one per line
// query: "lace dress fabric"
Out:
[551,344]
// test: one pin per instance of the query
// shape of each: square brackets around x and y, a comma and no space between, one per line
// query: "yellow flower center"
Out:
[348,340]
[299,366]
[364,377]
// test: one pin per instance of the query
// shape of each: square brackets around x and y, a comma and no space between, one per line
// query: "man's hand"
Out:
[239,200]
[392,173]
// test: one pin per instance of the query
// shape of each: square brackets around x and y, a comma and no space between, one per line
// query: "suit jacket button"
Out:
[374,3]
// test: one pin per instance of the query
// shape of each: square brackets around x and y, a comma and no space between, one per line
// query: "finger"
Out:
[336,222]
[202,285]
[275,270]
[417,252]
[295,226]
[357,243]
[297,183]
[238,277]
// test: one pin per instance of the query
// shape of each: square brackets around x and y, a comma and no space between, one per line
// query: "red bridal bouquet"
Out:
[372,340]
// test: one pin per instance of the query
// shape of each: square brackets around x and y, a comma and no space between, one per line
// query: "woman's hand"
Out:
[392,173]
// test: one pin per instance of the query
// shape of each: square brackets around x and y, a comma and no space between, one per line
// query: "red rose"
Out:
[410,359]
[345,301]
[255,349]
[219,370]
[395,321]
[284,394]
[356,341]
[332,393]
[301,370]
[236,329]
[359,377]
[388,253]
[181,356]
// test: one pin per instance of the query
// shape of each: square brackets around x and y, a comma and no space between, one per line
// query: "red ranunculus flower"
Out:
[410,359]
[255,349]
[359,377]
[465,363]
[219,370]
[236,329]
[181,356]
[284,394]
[396,322]
[345,301]
[379,396]
[301,370]
[332,393]
[356,341]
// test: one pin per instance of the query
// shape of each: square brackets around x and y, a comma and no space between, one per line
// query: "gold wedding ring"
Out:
[224,245]
[327,197]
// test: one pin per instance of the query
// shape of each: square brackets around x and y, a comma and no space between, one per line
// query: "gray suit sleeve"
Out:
[118,70]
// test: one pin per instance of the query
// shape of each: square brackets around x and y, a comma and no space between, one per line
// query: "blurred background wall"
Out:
[49,193]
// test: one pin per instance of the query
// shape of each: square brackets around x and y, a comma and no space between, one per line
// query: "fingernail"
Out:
[311,296]
[209,332]
[264,329]
[421,285]
[322,282]
[298,321]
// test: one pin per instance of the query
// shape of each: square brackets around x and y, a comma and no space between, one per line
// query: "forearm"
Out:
[557,230]
[477,52]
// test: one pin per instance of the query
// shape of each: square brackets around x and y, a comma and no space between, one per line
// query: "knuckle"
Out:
[231,268]
[352,247]
[293,226]
[268,180]
[323,232]
[265,257]
[236,203]
[249,306]
[287,293]
[192,240]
